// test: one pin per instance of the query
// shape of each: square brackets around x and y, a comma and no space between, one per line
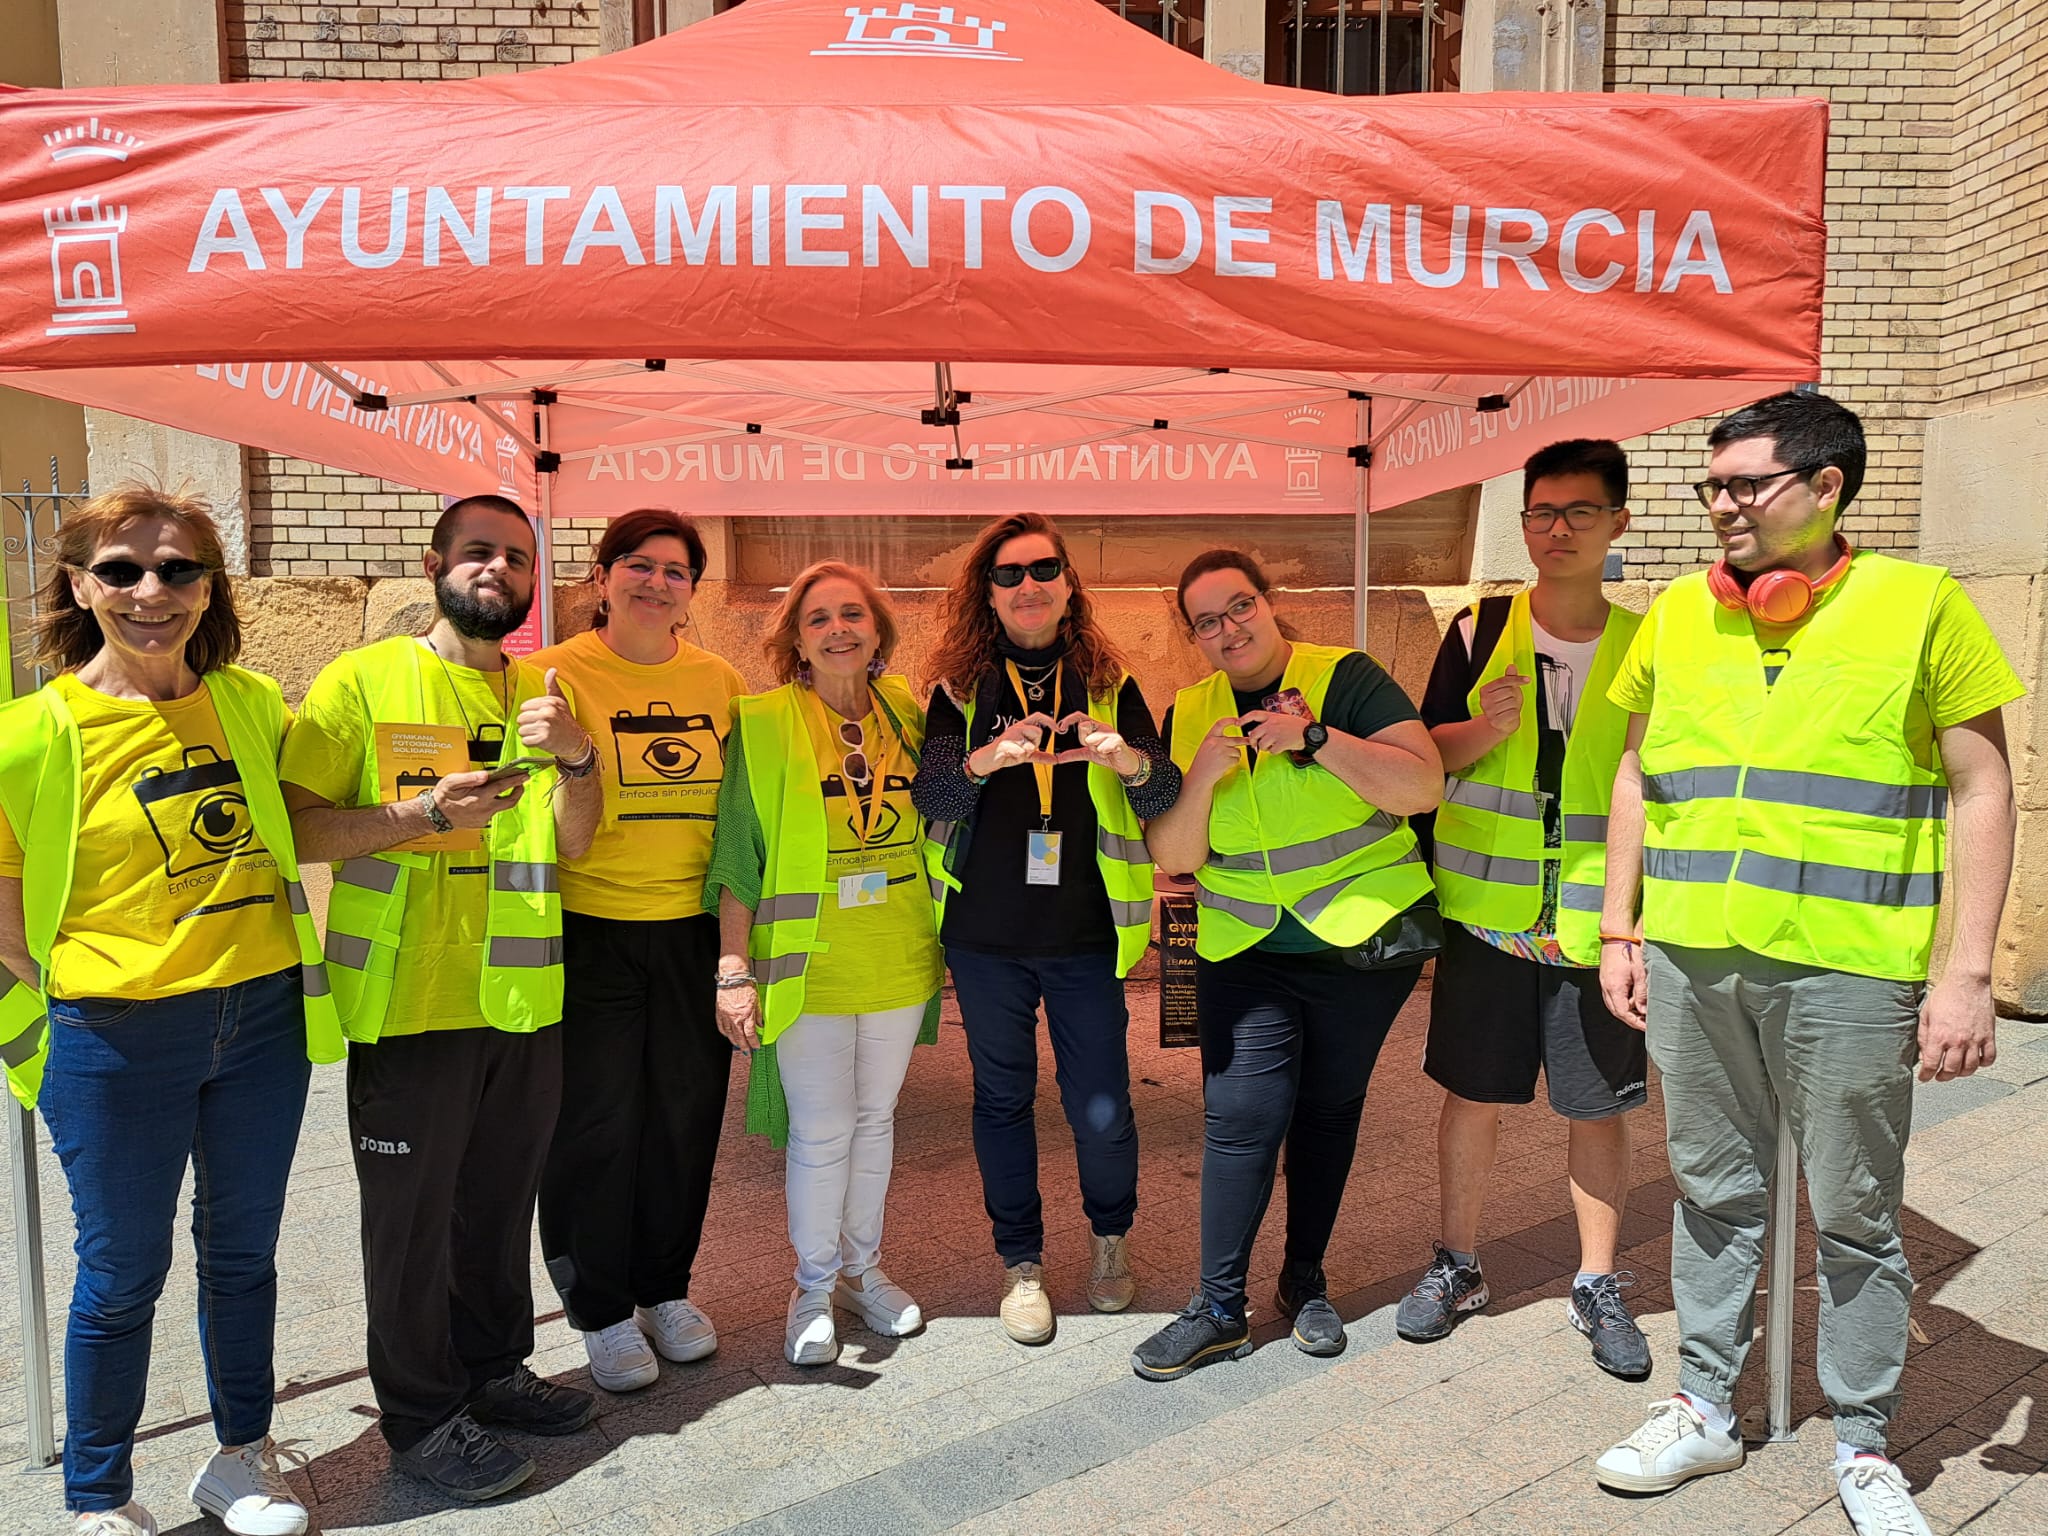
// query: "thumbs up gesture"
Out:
[1500,702]
[547,724]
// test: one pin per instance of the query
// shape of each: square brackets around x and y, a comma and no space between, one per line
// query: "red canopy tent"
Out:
[811,257]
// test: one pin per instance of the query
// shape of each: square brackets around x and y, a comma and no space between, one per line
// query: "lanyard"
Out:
[1040,771]
[866,817]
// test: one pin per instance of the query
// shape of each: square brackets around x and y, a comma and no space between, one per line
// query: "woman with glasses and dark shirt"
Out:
[1300,763]
[644,1067]
[829,967]
[169,985]
[1041,766]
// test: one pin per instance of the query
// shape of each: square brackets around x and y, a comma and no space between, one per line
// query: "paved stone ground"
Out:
[1492,1431]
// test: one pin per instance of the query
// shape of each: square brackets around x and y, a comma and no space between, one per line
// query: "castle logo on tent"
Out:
[89,141]
[914,31]
[85,269]
[1304,464]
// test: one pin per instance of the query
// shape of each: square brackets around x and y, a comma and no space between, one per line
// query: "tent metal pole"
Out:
[544,539]
[1361,522]
[1778,1326]
[28,1268]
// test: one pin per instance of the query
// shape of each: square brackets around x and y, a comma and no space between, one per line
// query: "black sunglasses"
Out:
[124,574]
[1038,570]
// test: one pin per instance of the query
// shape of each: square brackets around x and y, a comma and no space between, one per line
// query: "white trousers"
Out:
[841,1073]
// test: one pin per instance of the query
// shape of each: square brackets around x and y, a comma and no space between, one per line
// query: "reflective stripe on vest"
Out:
[783,780]
[1120,854]
[1343,867]
[1491,859]
[41,787]
[519,962]
[1800,818]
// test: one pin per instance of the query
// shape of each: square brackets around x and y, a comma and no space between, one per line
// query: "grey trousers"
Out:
[1736,1035]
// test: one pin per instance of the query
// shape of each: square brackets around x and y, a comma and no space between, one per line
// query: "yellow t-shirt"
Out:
[441,942]
[1963,673]
[172,892]
[882,953]
[660,733]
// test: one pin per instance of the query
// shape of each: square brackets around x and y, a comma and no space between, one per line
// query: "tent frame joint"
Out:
[959,463]
[545,397]
[1488,404]
[547,462]
[369,402]
[1360,454]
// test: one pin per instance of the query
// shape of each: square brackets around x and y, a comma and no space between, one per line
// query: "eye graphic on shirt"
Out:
[197,812]
[659,746]
[888,816]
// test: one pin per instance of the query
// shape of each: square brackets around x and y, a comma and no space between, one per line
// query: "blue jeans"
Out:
[131,1091]
[1086,1017]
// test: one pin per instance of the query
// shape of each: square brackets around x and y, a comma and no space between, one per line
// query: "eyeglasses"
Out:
[123,574]
[646,569]
[1578,517]
[1742,489]
[854,766]
[1038,570]
[1240,612]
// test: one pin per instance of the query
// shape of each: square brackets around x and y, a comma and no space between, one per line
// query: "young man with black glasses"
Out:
[1800,718]
[1517,705]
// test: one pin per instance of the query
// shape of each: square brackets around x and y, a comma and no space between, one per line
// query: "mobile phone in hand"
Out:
[519,765]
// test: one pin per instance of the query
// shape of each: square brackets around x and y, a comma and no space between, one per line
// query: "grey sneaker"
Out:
[1446,1289]
[1597,1310]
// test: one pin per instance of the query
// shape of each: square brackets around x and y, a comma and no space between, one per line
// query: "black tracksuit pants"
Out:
[449,1130]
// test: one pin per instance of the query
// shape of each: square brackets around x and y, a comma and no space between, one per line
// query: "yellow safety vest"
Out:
[1120,854]
[783,779]
[520,986]
[1792,820]
[1292,837]
[1489,829]
[41,788]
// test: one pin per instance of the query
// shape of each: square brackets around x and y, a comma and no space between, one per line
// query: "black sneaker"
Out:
[1598,1312]
[464,1461]
[1304,1295]
[1446,1289]
[524,1401]
[1196,1338]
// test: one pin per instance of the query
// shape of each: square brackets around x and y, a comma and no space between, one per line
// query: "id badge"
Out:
[1042,859]
[870,888]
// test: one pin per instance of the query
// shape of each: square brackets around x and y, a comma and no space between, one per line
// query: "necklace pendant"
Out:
[1036,691]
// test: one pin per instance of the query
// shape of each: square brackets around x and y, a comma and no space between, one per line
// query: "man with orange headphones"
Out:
[1803,718]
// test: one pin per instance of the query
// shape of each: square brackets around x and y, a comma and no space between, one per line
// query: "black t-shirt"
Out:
[1362,700]
[996,911]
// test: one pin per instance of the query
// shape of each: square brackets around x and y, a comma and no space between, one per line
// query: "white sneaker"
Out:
[679,1328]
[131,1519]
[620,1360]
[1876,1498]
[247,1493]
[885,1305]
[1675,1445]
[809,1338]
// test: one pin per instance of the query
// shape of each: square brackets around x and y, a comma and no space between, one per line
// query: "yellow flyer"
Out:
[411,758]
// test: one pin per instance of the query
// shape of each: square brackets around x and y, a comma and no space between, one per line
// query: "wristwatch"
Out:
[436,817]
[1313,735]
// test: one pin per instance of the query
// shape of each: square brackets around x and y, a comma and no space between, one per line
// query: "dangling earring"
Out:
[876,666]
[803,672]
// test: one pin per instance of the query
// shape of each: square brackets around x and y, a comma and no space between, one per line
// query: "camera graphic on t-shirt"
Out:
[197,812]
[487,746]
[411,781]
[659,746]
[888,819]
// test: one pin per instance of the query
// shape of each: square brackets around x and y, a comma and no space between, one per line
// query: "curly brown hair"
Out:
[785,655]
[969,629]
[67,635]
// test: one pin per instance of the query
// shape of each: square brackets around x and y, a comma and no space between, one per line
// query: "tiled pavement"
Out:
[1492,1431]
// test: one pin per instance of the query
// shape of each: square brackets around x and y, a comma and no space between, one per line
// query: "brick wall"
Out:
[1888,73]
[1997,319]
[306,519]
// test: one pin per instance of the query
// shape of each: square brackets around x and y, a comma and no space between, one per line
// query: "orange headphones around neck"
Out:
[1776,597]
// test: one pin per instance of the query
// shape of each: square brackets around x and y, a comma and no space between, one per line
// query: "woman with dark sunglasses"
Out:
[829,966]
[169,989]
[644,1067]
[1040,770]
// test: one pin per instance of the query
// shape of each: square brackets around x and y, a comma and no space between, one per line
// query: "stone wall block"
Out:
[292,626]
[402,606]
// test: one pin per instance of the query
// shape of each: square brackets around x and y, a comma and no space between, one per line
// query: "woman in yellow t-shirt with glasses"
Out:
[644,1067]
[829,969]
[147,881]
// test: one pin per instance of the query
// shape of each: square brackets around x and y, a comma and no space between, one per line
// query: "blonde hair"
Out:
[784,654]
